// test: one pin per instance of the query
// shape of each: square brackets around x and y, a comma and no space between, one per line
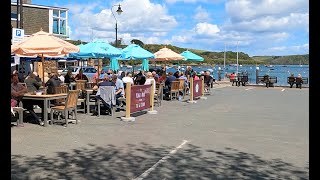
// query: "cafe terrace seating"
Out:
[174,92]
[158,96]
[62,89]
[182,87]
[69,106]
[107,93]
[81,85]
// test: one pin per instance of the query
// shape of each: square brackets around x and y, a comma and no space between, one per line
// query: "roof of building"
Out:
[41,6]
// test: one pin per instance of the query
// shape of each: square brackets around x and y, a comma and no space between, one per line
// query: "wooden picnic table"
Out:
[46,100]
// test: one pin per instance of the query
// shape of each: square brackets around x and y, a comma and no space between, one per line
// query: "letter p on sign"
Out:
[18,32]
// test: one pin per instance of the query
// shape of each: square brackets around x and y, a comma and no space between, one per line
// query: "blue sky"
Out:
[259,27]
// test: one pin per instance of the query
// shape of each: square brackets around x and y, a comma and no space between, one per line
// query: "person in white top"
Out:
[149,80]
[128,78]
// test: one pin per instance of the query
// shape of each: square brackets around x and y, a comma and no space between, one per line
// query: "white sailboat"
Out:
[300,63]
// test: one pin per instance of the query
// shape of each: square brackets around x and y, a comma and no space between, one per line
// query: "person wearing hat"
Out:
[299,81]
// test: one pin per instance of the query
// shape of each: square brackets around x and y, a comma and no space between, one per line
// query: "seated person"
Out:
[244,79]
[81,76]
[162,78]
[101,74]
[68,78]
[167,83]
[139,79]
[119,90]
[266,79]
[291,80]
[208,80]
[150,80]
[52,83]
[32,83]
[17,92]
[299,81]
[194,76]
[105,82]
[127,79]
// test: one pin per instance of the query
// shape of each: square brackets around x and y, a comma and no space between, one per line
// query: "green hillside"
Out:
[213,58]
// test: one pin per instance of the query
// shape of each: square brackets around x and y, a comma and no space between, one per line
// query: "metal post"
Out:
[257,74]
[18,13]
[116,34]
[119,11]
[21,14]
[237,58]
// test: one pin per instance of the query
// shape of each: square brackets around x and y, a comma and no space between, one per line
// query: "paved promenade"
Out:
[236,133]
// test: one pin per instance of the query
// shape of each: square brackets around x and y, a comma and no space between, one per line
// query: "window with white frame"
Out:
[14,16]
[59,24]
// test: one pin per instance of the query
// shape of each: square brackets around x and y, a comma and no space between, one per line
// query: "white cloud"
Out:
[150,18]
[181,39]
[206,29]
[247,9]
[262,27]
[201,14]
[186,1]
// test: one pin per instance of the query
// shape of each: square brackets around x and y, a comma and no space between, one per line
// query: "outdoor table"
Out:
[88,92]
[45,98]
[73,85]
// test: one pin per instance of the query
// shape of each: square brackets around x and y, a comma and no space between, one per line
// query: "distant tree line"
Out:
[213,58]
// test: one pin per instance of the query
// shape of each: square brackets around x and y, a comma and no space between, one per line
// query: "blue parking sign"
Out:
[18,32]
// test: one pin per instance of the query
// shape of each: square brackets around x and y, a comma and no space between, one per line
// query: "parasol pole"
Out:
[42,60]
[98,70]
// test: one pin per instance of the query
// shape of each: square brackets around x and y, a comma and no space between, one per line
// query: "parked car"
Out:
[89,71]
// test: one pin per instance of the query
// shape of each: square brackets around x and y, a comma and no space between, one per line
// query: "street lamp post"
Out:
[119,11]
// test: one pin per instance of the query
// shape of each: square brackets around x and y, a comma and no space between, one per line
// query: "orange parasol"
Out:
[43,44]
[166,54]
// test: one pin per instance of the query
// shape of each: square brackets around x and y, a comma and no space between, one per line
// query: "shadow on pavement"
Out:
[190,162]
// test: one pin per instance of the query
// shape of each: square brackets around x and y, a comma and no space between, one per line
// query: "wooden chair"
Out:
[111,100]
[174,89]
[60,90]
[69,106]
[182,87]
[81,85]
[158,96]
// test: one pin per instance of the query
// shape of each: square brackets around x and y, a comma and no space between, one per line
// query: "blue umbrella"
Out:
[190,56]
[97,49]
[135,52]
[145,65]
[114,64]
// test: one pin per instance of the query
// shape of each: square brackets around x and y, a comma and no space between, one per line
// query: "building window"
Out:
[14,16]
[59,22]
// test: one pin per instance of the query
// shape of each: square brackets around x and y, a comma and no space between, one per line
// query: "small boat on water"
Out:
[269,66]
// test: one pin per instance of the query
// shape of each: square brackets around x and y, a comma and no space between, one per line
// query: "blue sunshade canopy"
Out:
[114,64]
[97,49]
[190,56]
[135,52]
[145,65]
